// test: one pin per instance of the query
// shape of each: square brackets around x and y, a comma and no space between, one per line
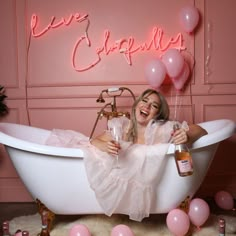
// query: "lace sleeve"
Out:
[160,132]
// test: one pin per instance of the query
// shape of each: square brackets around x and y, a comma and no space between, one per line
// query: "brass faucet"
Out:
[114,93]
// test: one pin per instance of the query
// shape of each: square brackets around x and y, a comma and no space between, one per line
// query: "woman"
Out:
[146,138]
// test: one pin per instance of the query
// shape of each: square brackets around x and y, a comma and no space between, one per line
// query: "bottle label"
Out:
[185,166]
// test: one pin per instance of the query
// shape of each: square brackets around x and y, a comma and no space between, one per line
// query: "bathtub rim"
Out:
[17,143]
[226,130]
[209,139]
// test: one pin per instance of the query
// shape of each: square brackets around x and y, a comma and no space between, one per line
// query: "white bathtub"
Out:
[56,176]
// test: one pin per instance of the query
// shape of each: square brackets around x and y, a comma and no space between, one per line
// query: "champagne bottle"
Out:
[5,229]
[183,158]
[221,227]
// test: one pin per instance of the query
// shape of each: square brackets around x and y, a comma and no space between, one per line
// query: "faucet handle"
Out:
[113,89]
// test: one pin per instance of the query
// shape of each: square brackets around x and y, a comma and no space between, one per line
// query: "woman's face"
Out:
[147,108]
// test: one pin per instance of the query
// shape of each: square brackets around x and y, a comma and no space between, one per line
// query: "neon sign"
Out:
[53,25]
[125,46]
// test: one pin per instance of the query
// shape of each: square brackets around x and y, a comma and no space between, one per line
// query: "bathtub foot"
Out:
[43,210]
[184,205]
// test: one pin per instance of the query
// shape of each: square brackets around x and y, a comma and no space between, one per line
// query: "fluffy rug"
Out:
[101,225]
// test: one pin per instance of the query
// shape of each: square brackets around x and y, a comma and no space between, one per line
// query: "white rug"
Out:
[101,225]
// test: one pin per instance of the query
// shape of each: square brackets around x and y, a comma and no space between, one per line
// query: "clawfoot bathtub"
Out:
[57,177]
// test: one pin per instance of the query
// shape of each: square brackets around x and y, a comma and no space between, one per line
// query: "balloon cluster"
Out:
[118,230]
[172,62]
[178,221]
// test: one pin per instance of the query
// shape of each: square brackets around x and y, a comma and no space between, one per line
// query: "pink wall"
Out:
[40,69]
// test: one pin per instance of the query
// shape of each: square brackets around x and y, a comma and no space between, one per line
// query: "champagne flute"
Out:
[116,134]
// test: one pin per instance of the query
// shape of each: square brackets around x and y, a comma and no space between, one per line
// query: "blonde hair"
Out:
[162,115]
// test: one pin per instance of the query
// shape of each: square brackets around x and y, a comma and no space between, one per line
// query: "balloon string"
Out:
[171,97]
[176,106]
[191,102]
[175,114]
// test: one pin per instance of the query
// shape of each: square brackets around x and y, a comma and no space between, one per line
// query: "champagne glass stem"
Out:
[116,137]
[117,161]
[117,155]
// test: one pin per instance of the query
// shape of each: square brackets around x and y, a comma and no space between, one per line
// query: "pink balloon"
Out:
[199,211]
[18,234]
[121,230]
[180,80]
[79,230]
[155,73]
[178,222]
[224,200]
[173,61]
[189,17]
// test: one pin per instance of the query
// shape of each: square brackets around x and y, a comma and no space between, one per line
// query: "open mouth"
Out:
[144,113]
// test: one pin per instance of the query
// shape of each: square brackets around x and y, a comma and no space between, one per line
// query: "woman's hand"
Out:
[113,147]
[188,136]
[105,143]
[180,136]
